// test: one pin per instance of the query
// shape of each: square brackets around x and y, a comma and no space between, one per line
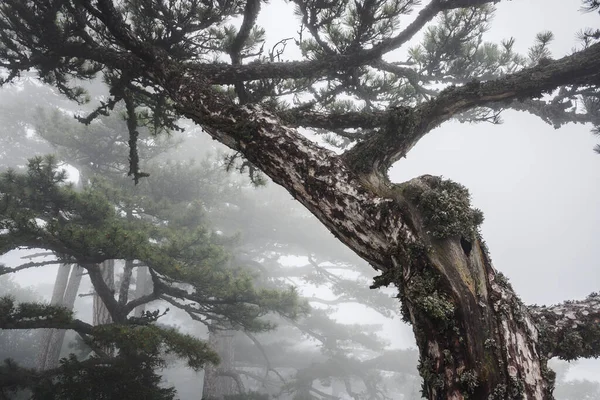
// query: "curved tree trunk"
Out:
[220,380]
[476,339]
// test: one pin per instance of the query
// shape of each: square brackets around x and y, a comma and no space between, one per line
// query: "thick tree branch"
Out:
[106,295]
[406,126]
[569,330]
[129,307]
[48,323]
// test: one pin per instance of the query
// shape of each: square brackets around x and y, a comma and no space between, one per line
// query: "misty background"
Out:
[538,188]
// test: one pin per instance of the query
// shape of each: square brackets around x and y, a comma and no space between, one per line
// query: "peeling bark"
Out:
[570,330]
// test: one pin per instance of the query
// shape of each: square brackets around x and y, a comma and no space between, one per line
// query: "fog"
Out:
[538,188]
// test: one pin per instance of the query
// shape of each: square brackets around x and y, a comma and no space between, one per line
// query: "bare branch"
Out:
[235,376]
[6,270]
[139,301]
[268,367]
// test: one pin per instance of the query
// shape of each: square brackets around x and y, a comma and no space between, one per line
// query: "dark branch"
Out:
[104,292]
[129,307]
[48,323]
[6,270]
[250,14]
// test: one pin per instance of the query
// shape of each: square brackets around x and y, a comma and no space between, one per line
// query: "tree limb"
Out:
[6,270]
[106,295]
[75,325]
[569,330]
[407,126]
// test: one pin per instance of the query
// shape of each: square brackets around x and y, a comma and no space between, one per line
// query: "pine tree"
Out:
[39,211]
[422,235]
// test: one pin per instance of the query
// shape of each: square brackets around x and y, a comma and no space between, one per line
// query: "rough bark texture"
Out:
[218,381]
[475,337]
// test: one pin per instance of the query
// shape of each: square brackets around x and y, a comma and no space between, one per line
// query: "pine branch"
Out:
[406,126]
[250,14]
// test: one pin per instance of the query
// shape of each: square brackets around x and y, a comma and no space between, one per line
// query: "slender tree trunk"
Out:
[142,287]
[58,337]
[217,378]
[64,293]
[58,292]
[101,314]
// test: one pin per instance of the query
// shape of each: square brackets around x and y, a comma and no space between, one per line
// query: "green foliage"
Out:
[446,208]
[11,312]
[119,378]
[147,340]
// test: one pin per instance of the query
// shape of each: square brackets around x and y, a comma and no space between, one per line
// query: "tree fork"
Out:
[476,339]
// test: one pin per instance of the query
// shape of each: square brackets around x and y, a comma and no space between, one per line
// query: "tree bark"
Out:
[217,380]
[69,302]
[64,294]
[101,314]
[476,339]
[142,287]
[58,292]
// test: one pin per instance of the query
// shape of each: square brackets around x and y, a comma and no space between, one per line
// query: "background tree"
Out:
[421,235]
[82,229]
